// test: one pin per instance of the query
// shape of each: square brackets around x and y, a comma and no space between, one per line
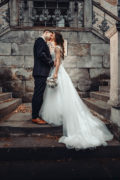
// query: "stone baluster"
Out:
[87,13]
[27,14]
[13,5]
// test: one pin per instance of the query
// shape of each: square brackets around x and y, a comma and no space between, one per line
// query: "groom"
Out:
[42,64]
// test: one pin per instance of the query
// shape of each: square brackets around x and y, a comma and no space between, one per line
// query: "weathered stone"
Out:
[100,49]
[118,45]
[106,61]
[18,94]
[5,49]
[74,74]
[39,33]
[22,74]
[13,36]
[111,5]
[81,37]
[22,49]
[90,62]
[28,97]
[71,61]
[3,22]
[80,77]
[30,36]
[20,116]
[14,15]
[29,62]
[29,86]
[115,116]
[5,73]
[83,94]
[88,13]
[65,34]
[84,85]
[15,86]
[96,73]
[12,61]
[88,37]
[115,70]
[72,37]
[78,49]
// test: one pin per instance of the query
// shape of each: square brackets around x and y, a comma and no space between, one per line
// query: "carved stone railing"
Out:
[3,2]
[58,13]
[4,16]
[103,20]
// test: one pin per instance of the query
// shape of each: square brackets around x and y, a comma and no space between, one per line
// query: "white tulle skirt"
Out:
[63,106]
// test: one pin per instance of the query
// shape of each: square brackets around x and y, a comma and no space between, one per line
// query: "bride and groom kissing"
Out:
[62,105]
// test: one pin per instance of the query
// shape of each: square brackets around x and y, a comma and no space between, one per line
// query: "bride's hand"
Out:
[55,76]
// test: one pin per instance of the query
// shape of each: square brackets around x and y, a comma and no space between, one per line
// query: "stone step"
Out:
[48,148]
[9,106]
[5,96]
[19,123]
[83,94]
[102,118]
[104,88]
[99,106]
[105,82]
[28,129]
[104,96]
[0,89]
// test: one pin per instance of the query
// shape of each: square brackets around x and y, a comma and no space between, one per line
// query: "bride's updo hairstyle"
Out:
[59,41]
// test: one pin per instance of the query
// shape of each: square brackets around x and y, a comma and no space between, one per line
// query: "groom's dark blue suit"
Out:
[42,64]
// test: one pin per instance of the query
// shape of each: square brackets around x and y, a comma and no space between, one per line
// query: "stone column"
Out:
[88,13]
[115,75]
[27,14]
[13,5]
[72,8]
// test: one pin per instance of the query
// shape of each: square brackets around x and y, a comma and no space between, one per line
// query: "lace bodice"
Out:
[53,58]
[53,53]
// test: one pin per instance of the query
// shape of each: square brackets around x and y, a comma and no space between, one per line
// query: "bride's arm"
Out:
[57,62]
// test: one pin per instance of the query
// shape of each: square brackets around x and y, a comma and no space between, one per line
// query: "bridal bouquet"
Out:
[51,82]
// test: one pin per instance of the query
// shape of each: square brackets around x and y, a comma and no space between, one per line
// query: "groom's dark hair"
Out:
[48,31]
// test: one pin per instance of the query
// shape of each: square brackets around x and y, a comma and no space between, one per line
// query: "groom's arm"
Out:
[47,60]
[39,46]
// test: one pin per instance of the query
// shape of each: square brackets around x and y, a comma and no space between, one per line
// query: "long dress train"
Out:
[63,106]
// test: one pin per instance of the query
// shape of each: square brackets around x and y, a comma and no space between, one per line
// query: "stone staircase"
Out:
[98,100]
[22,141]
[7,103]
[15,119]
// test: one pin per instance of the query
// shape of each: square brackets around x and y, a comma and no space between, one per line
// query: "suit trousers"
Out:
[37,99]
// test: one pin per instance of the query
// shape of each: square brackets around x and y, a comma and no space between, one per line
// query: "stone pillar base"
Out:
[115,123]
[115,116]
[114,104]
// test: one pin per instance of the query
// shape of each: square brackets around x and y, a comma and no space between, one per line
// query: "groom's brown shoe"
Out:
[39,121]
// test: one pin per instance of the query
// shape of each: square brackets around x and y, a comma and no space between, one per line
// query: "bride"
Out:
[63,106]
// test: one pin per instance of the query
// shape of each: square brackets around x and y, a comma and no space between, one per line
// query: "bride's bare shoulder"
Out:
[58,48]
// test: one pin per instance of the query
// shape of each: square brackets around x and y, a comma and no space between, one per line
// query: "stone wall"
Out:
[86,63]
[3,17]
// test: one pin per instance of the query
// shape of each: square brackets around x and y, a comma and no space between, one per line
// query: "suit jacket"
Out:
[42,58]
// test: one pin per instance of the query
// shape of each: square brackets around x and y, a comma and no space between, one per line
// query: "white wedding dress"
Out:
[63,106]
